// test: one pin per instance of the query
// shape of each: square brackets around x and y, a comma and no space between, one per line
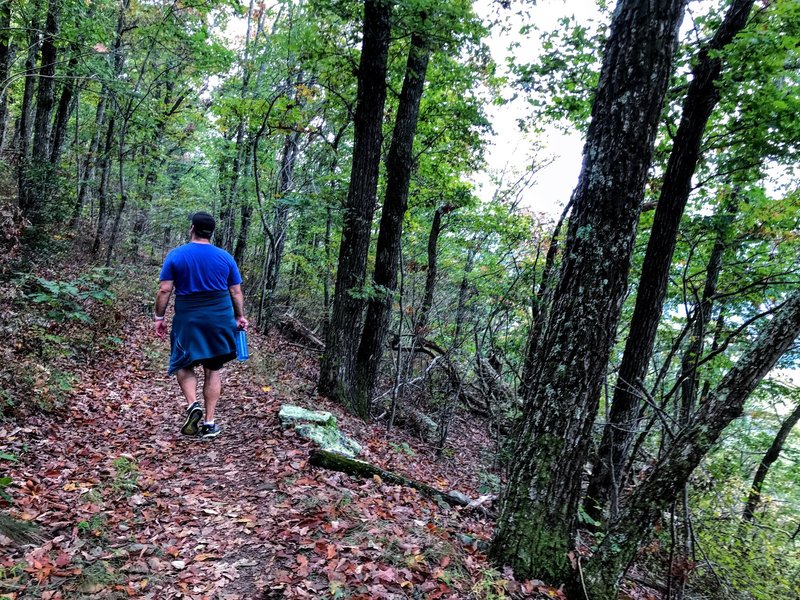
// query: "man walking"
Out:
[209,307]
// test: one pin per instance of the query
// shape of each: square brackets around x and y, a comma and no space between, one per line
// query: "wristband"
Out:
[157,318]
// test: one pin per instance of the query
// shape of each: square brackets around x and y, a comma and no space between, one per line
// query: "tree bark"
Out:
[423,315]
[702,310]
[336,369]
[227,224]
[399,164]
[90,161]
[763,468]
[102,194]
[540,301]
[280,222]
[25,121]
[626,405]
[673,469]
[47,84]
[538,516]
[336,462]
[5,55]
[65,108]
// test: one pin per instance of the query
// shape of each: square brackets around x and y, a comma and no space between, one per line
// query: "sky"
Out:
[510,149]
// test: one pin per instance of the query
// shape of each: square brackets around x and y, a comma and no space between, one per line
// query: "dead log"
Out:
[351,466]
[294,329]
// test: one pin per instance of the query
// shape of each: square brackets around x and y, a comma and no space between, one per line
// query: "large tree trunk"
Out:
[537,522]
[769,458]
[671,473]
[47,84]
[700,101]
[399,163]
[336,369]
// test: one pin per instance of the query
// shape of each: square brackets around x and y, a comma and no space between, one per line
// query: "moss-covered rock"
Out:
[319,427]
[293,415]
[330,438]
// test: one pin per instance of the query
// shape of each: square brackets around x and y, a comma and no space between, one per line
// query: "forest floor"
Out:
[124,506]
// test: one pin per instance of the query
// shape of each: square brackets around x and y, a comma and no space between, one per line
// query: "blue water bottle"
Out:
[241,345]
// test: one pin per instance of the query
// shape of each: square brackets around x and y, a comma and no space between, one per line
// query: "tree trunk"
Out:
[123,197]
[280,222]
[47,83]
[673,469]
[90,161]
[463,296]
[702,311]
[700,101]
[336,368]
[246,215]
[538,515]
[337,462]
[102,194]
[5,55]
[65,107]
[25,121]
[540,301]
[227,224]
[39,184]
[399,163]
[763,468]
[423,315]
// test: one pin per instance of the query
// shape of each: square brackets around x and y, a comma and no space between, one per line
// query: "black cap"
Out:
[204,224]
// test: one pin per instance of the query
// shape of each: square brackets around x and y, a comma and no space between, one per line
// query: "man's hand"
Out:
[241,323]
[160,328]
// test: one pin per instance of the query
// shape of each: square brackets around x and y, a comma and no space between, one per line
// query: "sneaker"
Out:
[193,415]
[209,431]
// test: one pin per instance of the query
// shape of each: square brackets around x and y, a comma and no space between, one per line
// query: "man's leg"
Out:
[188,382]
[212,387]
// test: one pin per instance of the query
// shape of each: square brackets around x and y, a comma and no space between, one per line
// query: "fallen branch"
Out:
[293,328]
[351,466]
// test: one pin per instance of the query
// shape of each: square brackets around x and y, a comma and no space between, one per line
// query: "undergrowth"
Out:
[58,318]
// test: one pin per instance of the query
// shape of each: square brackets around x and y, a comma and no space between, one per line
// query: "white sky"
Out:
[510,148]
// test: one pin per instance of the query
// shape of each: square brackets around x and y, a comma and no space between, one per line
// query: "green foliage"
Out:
[561,83]
[66,300]
[403,448]
[490,483]
[126,476]
[4,483]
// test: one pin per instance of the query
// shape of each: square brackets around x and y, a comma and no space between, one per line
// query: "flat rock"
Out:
[330,438]
[319,427]
[292,415]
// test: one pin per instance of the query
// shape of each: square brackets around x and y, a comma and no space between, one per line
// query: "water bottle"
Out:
[241,345]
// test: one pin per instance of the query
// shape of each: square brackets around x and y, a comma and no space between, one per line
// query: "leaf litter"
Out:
[127,507]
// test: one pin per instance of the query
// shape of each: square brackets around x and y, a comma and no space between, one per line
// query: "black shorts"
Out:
[214,363]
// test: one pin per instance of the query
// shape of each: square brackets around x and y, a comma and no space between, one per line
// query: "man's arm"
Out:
[237,297]
[162,300]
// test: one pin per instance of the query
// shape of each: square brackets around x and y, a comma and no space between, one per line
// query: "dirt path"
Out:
[127,507]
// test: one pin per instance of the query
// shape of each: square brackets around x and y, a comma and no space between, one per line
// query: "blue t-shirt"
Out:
[197,267]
